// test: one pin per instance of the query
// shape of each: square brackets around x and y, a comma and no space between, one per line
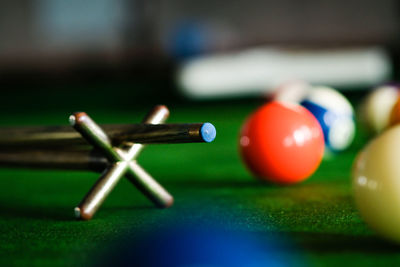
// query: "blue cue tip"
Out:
[208,132]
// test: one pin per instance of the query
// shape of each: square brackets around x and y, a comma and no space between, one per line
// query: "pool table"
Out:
[315,222]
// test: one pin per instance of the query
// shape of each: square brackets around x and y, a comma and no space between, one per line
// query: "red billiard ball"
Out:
[282,143]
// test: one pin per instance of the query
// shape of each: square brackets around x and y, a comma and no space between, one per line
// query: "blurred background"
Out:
[116,52]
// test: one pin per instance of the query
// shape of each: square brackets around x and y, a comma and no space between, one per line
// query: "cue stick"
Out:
[59,136]
[53,159]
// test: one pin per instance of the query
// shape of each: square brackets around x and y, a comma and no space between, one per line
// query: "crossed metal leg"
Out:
[122,163]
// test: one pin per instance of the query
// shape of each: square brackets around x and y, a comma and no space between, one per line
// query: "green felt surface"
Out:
[211,186]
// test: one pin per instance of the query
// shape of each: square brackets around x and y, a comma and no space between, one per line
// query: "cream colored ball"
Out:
[376,184]
[377,107]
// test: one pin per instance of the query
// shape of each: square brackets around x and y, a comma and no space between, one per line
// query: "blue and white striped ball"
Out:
[335,115]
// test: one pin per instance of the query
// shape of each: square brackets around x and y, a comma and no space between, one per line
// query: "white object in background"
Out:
[257,71]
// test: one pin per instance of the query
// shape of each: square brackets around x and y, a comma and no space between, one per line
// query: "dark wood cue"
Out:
[63,136]
[52,159]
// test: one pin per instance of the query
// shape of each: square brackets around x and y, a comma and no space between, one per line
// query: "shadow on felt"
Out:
[37,212]
[242,183]
[52,213]
[334,243]
[217,183]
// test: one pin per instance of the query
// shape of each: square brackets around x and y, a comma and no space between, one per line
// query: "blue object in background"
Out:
[188,39]
[200,246]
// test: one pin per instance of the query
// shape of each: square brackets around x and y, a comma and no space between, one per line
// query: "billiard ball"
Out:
[376,184]
[335,115]
[395,113]
[282,143]
[376,108]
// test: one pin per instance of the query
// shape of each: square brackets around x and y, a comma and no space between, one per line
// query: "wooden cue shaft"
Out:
[52,159]
[59,136]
